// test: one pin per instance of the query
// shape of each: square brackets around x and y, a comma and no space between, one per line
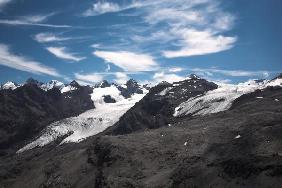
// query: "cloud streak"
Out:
[89,78]
[49,37]
[102,8]
[9,59]
[200,43]
[162,76]
[32,20]
[128,61]
[62,53]
[233,73]
[180,28]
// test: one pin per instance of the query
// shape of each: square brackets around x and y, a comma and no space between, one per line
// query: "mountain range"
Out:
[191,133]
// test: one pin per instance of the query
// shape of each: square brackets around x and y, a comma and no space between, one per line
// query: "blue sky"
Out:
[149,41]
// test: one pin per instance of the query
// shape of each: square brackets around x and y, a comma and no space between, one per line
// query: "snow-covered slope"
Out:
[10,85]
[76,129]
[52,84]
[221,99]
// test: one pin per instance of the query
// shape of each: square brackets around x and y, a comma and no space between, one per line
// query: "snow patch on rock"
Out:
[221,99]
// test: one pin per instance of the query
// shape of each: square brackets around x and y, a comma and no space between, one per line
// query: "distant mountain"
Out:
[157,107]
[190,97]
[52,84]
[29,108]
[111,101]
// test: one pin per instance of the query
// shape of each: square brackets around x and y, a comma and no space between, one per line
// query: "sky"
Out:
[149,41]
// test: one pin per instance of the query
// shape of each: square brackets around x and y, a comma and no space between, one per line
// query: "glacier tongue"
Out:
[88,123]
[221,99]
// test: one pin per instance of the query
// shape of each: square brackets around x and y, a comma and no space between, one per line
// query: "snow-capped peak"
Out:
[52,84]
[70,87]
[10,85]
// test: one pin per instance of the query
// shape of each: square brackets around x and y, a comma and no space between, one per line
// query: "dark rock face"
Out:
[279,76]
[26,110]
[192,152]
[104,84]
[109,99]
[32,81]
[74,84]
[157,107]
[132,87]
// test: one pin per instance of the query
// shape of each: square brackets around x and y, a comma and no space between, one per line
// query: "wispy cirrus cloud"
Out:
[162,76]
[32,20]
[197,42]
[49,37]
[63,53]
[175,69]
[232,73]
[128,61]
[179,28]
[89,78]
[102,8]
[121,77]
[196,26]
[9,59]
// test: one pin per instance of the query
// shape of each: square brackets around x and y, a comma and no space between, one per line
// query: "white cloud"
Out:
[128,61]
[234,73]
[175,69]
[83,83]
[36,18]
[61,52]
[7,58]
[32,20]
[161,76]
[102,8]
[96,45]
[49,37]
[180,28]
[121,77]
[200,43]
[89,78]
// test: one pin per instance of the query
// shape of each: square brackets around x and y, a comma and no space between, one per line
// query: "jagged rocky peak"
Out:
[55,82]
[32,81]
[132,87]
[194,76]
[132,82]
[104,84]
[164,83]
[52,84]
[74,84]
